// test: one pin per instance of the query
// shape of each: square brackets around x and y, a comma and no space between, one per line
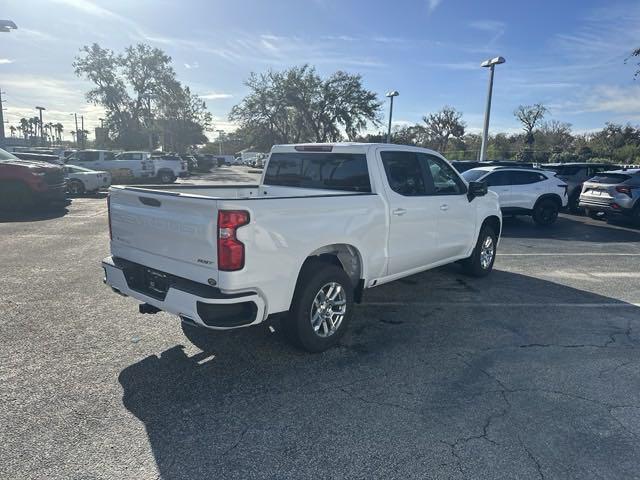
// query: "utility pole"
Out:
[82,128]
[491,64]
[220,133]
[1,119]
[41,132]
[75,116]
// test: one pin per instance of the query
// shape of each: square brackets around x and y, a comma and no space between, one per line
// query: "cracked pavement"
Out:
[533,372]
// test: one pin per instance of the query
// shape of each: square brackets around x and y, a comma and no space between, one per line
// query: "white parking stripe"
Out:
[560,254]
[506,304]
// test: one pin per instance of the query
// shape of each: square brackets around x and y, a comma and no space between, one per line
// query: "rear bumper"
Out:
[53,193]
[608,206]
[193,302]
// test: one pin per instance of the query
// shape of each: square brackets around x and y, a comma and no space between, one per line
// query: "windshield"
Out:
[6,156]
[473,175]
[328,171]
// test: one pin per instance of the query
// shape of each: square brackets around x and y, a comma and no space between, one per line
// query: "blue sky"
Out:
[568,54]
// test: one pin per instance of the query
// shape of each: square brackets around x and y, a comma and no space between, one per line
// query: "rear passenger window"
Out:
[525,178]
[404,173]
[498,179]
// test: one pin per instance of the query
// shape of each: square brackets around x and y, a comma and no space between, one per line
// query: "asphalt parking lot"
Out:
[533,372]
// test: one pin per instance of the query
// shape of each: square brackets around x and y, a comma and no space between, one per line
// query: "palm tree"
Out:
[73,135]
[25,126]
[12,129]
[59,128]
[49,128]
[19,128]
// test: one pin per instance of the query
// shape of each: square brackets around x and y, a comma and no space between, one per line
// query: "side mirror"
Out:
[477,189]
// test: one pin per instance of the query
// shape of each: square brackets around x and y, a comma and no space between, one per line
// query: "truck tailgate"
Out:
[165,229]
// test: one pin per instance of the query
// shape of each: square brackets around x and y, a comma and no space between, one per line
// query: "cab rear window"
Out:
[327,171]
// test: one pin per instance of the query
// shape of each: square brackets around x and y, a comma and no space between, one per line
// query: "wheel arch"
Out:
[494,222]
[343,255]
[549,196]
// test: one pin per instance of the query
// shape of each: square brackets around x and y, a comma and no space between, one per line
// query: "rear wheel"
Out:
[167,177]
[75,187]
[545,212]
[574,203]
[321,309]
[480,263]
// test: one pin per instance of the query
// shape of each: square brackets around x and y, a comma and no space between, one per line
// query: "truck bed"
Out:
[244,192]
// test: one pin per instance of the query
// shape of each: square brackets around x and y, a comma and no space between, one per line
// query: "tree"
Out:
[635,53]
[12,129]
[441,126]
[297,105]
[142,97]
[530,116]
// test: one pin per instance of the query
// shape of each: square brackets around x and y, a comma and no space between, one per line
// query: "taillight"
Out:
[109,215]
[230,249]
[624,189]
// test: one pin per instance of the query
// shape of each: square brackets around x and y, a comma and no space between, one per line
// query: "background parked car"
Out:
[125,166]
[39,157]
[524,191]
[575,174]
[81,180]
[26,183]
[615,192]
[464,165]
[168,167]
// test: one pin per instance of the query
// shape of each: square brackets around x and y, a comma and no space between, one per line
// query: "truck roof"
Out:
[343,147]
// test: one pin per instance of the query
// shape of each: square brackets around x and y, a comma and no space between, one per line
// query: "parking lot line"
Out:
[504,304]
[561,254]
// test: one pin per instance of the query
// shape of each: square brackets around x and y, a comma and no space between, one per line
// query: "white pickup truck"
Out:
[326,222]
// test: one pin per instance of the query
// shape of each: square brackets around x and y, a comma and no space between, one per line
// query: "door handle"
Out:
[444,207]
[399,211]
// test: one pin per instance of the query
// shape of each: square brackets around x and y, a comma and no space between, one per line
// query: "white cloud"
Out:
[433,4]
[192,65]
[4,61]
[215,96]
[494,28]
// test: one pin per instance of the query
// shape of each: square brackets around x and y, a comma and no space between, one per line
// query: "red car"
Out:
[26,183]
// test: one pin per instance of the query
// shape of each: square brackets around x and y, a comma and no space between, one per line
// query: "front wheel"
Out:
[480,263]
[75,187]
[545,212]
[321,309]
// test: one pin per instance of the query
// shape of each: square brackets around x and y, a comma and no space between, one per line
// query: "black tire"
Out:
[319,276]
[16,196]
[166,177]
[75,187]
[574,203]
[476,265]
[545,212]
[595,215]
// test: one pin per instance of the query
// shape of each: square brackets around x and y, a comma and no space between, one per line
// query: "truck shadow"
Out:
[35,214]
[573,228]
[405,379]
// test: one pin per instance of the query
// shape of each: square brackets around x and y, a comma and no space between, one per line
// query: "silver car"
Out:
[616,192]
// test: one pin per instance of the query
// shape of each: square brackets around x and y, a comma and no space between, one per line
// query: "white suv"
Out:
[524,191]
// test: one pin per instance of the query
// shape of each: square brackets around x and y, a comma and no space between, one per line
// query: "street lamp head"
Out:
[493,61]
[392,93]
[7,26]
[40,108]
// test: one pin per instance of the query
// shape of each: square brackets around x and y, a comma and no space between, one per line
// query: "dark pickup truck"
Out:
[25,184]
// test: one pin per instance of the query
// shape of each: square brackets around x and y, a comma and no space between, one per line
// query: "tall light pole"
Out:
[491,63]
[391,94]
[75,117]
[41,134]
[220,133]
